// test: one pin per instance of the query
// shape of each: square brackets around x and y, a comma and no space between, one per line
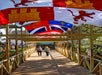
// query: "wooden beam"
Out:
[7,49]
[79,46]
[10,26]
[100,68]
[91,47]
[16,41]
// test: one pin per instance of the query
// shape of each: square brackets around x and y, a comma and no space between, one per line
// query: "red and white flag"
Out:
[78,16]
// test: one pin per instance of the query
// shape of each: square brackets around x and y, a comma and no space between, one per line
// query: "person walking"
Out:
[39,51]
[47,49]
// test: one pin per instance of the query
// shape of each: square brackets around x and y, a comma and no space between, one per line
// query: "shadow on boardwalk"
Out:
[56,64]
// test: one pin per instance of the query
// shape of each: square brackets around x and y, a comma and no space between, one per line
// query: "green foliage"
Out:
[97,40]
[12,52]
[85,29]
[97,29]
[97,49]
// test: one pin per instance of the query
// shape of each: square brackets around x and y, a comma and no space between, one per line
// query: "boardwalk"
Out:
[56,64]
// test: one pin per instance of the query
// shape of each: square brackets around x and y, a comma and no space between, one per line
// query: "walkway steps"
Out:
[56,64]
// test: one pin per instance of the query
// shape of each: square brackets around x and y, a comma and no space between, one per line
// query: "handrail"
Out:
[2,66]
[89,57]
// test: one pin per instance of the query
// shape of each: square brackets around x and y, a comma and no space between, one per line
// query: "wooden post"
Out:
[79,45]
[100,69]
[22,44]
[72,49]
[7,48]
[16,47]
[1,67]
[72,43]
[66,49]
[22,38]
[91,47]
[26,45]
[78,50]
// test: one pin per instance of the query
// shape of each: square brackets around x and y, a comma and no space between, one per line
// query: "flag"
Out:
[46,13]
[78,16]
[47,27]
[60,10]
[22,15]
[97,4]
[3,21]
[4,4]
[84,4]
[59,3]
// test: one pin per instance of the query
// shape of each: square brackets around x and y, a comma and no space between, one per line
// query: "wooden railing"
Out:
[84,60]
[14,61]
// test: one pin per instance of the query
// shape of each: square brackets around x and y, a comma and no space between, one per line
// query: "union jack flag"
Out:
[47,27]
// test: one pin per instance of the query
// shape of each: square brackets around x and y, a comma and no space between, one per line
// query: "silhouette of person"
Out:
[47,49]
[39,51]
